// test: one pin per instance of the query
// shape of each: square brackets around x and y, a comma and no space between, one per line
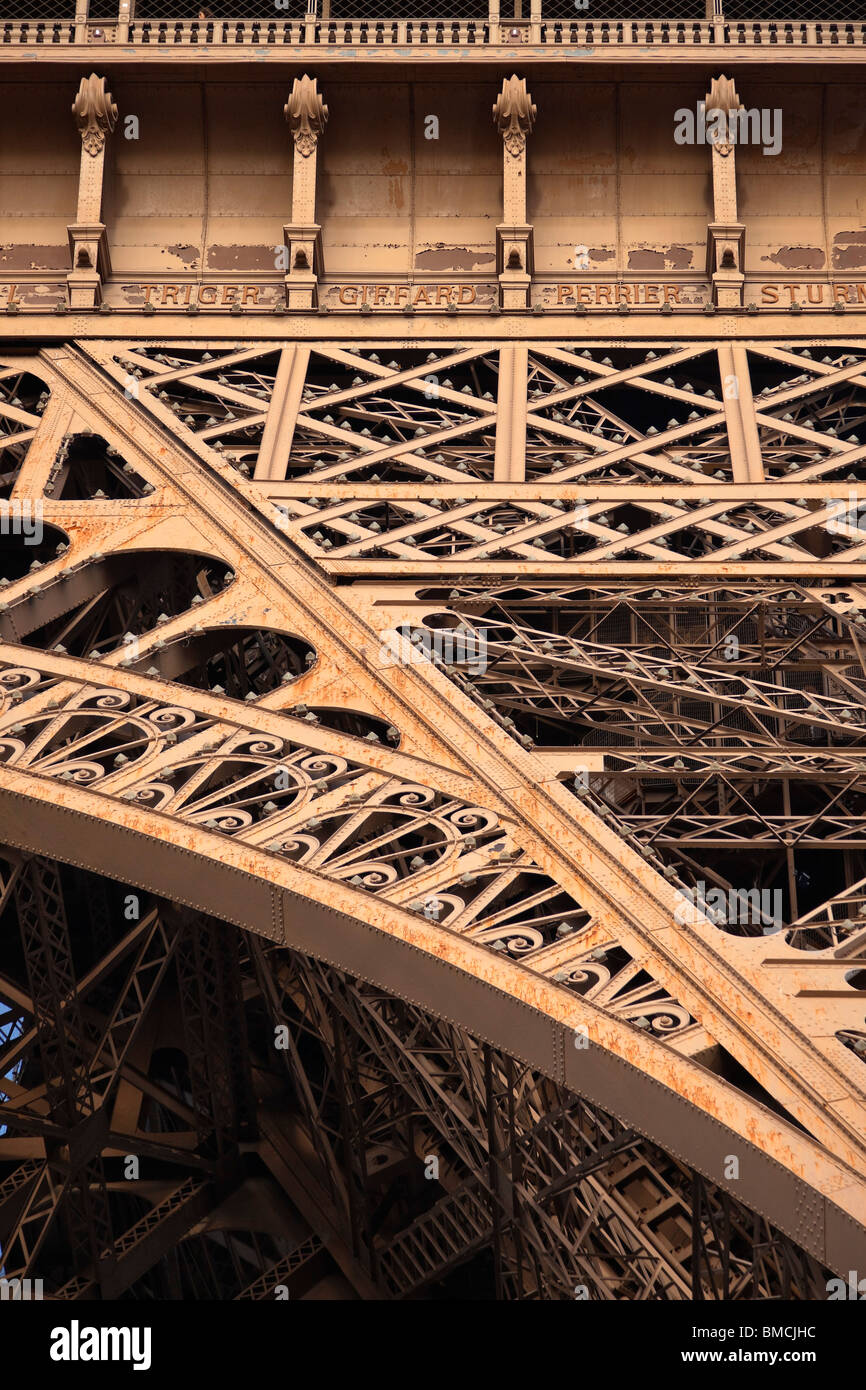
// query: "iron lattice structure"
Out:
[415,707]
[394,441]
[543,1194]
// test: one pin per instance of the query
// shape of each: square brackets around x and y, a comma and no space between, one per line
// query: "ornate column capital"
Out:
[722,95]
[306,114]
[514,117]
[95,113]
[726,235]
[514,113]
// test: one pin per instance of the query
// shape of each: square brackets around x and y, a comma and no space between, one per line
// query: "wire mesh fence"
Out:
[559,11]
[218,9]
[38,9]
[797,11]
[276,10]
[612,10]
[405,9]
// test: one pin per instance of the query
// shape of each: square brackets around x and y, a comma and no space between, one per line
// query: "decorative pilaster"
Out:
[726,236]
[514,117]
[95,114]
[307,116]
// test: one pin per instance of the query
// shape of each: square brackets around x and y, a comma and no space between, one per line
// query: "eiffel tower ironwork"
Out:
[431,786]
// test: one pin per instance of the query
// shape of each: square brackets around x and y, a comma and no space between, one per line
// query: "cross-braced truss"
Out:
[418,459]
[514,801]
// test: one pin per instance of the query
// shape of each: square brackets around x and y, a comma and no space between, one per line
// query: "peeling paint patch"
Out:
[32,296]
[849,250]
[187,254]
[678,258]
[600,253]
[798,258]
[667,258]
[240,258]
[133,295]
[442,257]
[646,260]
[34,257]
